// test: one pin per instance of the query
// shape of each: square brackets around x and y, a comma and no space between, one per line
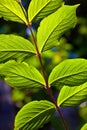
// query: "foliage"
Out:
[73,96]
[22,75]
[34,115]
[10,47]
[15,51]
[12,10]
[84,127]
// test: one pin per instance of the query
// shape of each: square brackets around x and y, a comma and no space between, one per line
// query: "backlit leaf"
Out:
[72,72]
[12,10]
[52,27]
[1,65]
[15,47]
[72,96]
[84,127]
[41,8]
[34,115]
[22,75]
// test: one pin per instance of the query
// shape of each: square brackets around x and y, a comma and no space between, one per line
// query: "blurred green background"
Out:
[72,44]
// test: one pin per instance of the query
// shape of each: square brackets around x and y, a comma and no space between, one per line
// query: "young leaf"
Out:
[72,96]
[72,72]
[41,8]
[12,10]
[34,115]
[53,26]
[14,47]
[84,127]
[22,75]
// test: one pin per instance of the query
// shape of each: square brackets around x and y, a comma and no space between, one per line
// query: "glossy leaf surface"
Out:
[41,8]
[72,72]
[22,75]
[52,27]
[15,47]
[34,115]
[72,96]
[12,10]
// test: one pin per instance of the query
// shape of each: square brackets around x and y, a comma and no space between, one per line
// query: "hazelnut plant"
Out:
[71,74]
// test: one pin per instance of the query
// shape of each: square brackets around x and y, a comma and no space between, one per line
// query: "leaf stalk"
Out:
[46,80]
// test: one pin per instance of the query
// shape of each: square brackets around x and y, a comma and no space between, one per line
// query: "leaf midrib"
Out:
[66,76]
[40,10]
[71,96]
[38,115]
[44,43]
[25,78]
[14,13]
[26,51]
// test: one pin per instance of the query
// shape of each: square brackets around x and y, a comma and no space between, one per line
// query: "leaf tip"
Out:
[77,5]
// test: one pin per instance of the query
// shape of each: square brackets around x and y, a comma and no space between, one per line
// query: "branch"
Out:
[46,80]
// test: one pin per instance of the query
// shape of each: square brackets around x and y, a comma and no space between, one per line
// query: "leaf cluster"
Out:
[71,75]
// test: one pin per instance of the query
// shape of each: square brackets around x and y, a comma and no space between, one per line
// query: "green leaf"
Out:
[1,65]
[72,96]
[12,10]
[15,47]
[34,115]
[53,26]
[72,72]
[84,127]
[22,75]
[41,8]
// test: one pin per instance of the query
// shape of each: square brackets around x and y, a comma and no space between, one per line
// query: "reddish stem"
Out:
[46,80]
[43,72]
